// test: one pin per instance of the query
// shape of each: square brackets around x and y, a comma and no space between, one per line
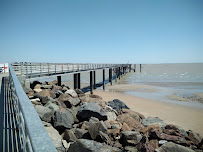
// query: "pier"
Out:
[22,129]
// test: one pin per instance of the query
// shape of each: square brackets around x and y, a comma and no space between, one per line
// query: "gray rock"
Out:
[161,142]
[153,120]
[95,128]
[172,147]
[111,116]
[51,106]
[44,113]
[88,110]
[130,138]
[63,119]
[68,100]
[46,86]
[34,83]
[84,145]
[130,149]
[71,92]
[81,133]
[56,138]
[35,101]
[78,91]
[117,105]
[69,136]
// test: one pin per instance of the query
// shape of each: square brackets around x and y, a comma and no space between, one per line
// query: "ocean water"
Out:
[183,80]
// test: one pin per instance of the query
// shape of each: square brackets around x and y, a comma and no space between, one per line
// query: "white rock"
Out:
[71,92]
[161,142]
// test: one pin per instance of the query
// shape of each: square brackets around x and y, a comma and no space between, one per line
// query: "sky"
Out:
[105,31]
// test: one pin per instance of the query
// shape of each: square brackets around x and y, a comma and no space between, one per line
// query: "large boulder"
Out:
[68,100]
[44,113]
[56,138]
[153,120]
[71,92]
[88,110]
[34,83]
[69,136]
[63,119]
[117,105]
[130,121]
[172,147]
[52,106]
[130,138]
[45,95]
[195,138]
[95,128]
[84,145]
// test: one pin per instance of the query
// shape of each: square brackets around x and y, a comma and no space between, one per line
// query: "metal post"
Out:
[103,79]
[78,80]
[75,80]
[94,79]
[134,67]
[140,67]
[119,73]
[91,82]
[48,68]
[59,80]
[116,73]
[110,76]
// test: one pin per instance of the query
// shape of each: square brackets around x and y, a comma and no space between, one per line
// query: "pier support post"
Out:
[59,80]
[119,73]
[134,67]
[78,81]
[91,82]
[140,67]
[103,79]
[94,79]
[75,80]
[116,74]
[110,76]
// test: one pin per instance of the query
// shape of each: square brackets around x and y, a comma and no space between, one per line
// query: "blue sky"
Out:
[105,31]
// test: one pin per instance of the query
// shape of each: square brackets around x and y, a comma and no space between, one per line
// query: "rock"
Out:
[37,90]
[153,120]
[111,116]
[102,137]
[153,144]
[94,96]
[51,106]
[84,145]
[65,144]
[88,110]
[161,142]
[34,83]
[46,86]
[131,122]
[130,138]
[117,105]
[130,149]
[81,133]
[68,100]
[37,86]
[57,93]
[56,138]
[172,147]
[35,101]
[88,99]
[78,91]
[137,116]
[27,89]
[95,128]
[71,92]
[125,127]
[44,95]
[69,136]
[62,120]
[174,130]
[46,124]
[74,111]
[115,124]
[194,137]
[44,113]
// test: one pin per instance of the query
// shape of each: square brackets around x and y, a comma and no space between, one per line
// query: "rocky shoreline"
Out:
[78,122]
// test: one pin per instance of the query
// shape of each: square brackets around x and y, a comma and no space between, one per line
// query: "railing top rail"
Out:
[17,63]
[38,135]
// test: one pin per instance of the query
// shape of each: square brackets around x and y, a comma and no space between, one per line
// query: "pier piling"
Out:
[94,79]
[59,80]
[91,82]
[103,79]
[75,80]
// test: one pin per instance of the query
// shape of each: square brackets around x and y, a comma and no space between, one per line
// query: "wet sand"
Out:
[189,118]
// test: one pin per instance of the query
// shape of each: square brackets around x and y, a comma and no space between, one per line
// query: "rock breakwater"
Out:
[79,122]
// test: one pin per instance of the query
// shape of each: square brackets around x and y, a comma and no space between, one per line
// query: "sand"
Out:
[189,118]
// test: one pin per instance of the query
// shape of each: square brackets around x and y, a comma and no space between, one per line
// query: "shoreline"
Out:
[189,118]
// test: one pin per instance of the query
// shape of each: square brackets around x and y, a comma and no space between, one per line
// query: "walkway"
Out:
[9,132]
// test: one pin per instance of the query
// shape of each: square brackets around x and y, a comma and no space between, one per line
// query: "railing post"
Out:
[94,79]
[78,80]
[55,68]
[91,82]
[103,79]
[75,80]
[59,80]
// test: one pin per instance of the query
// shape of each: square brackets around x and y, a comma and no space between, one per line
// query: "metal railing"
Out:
[33,134]
[33,69]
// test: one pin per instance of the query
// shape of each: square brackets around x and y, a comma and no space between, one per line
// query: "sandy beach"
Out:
[189,118]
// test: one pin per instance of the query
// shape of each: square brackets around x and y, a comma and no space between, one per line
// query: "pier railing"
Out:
[32,132]
[32,69]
